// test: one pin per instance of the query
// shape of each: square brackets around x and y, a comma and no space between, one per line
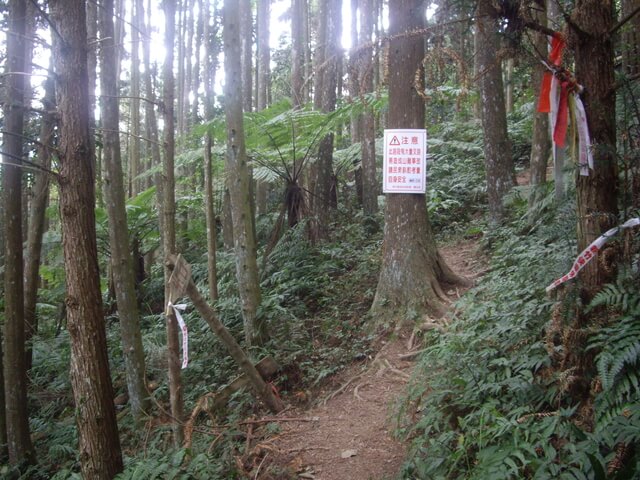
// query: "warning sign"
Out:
[405,161]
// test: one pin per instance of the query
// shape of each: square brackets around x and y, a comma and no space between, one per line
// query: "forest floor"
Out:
[347,432]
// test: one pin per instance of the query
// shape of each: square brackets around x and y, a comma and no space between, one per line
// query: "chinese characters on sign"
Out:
[405,161]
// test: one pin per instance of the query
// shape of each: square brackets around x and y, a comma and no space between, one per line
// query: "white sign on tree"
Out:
[405,161]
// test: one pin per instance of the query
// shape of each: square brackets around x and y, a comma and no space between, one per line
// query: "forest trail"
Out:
[347,432]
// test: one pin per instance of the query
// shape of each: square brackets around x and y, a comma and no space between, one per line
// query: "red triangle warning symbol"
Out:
[394,141]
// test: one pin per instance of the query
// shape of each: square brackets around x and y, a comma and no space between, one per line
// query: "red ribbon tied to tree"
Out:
[555,59]
[559,96]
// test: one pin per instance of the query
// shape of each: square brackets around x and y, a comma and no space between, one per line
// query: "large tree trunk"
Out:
[597,194]
[497,149]
[99,449]
[37,218]
[169,222]
[239,180]
[412,269]
[121,260]
[15,378]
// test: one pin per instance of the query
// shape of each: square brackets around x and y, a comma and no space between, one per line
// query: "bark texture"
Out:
[497,149]
[169,222]
[99,445]
[15,378]
[246,41]
[37,218]
[244,241]
[597,194]
[412,269]
[121,259]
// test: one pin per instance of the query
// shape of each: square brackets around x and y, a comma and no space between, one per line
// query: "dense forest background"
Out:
[212,170]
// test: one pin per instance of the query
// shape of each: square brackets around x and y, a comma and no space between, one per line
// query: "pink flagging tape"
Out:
[183,327]
[590,252]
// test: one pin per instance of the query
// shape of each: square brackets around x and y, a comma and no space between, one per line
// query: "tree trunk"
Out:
[179,83]
[297,52]
[15,377]
[630,44]
[541,142]
[135,150]
[370,186]
[263,390]
[37,218]
[92,67]
[263,79]
[169,222]
[239,180]
[412,269]
[328,39]
[211,221]
[554,14]
[508,85]
[4,451]
[353,67]
[597,194]
[246,42]
[497,149]
[195,75]
[99,449]
[212,47]
[227,220]
[150,121]
[121,260]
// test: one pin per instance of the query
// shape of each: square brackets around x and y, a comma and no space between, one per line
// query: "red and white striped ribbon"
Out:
[590,252]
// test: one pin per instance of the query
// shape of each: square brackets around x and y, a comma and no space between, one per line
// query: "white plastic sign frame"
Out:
[405,161]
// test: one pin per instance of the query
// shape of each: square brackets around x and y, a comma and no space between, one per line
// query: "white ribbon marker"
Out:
[588,253]
[585,157]
[183,327]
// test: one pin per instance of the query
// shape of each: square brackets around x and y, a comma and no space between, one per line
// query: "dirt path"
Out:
[347,433]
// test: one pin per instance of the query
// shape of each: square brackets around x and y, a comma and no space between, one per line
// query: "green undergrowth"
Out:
[487,400]
[314,301]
